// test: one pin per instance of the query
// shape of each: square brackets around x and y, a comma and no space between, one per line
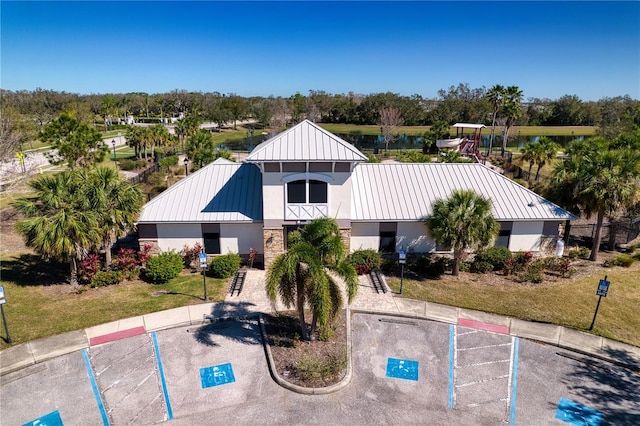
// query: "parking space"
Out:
[213,366]
[126,373]
[60,385]
[405,371]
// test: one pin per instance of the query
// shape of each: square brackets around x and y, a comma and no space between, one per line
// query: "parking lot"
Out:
[405,371]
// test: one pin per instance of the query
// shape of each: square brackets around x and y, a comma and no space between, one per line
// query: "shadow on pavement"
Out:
[613,387]
[231,320]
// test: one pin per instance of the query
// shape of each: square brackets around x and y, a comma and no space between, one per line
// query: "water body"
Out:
[376,142]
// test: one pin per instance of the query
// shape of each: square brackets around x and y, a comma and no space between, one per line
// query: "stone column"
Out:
[273,244]
[345,236]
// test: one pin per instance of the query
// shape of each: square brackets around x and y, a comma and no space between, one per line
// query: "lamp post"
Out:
[115,159]
[186,166]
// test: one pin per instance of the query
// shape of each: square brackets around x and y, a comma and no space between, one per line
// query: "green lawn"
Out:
[567,302]
[39,306]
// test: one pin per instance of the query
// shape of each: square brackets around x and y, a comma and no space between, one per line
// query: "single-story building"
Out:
[306,172]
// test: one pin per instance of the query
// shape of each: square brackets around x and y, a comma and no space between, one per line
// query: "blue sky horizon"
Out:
[549,49]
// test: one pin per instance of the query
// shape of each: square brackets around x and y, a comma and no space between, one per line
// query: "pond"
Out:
[373,142]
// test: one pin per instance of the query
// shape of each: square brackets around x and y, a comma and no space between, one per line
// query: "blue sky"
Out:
[548,49]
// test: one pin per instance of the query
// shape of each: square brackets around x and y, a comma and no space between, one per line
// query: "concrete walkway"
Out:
[253,300]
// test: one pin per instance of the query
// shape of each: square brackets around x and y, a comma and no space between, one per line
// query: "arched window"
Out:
[307,192]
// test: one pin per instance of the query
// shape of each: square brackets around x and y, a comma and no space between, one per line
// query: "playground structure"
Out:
[467,140]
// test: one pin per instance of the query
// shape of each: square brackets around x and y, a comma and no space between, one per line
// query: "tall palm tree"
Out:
[301,276]
[596,179]
[59,222]
[495,95]
[116,203]
[511,109]
[610,181]
[462,221]
[546,151]
[529,153]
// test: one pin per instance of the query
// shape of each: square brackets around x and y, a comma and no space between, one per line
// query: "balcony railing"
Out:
[306,211]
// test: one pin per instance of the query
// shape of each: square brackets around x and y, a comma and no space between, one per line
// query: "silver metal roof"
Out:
[406,192]
[305,142]
[222,191]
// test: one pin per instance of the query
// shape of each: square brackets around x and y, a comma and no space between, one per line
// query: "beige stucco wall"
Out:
[234,238]
[274,194]
[525,236]
[414,237]
[365,236]
[176,236]
[239,238]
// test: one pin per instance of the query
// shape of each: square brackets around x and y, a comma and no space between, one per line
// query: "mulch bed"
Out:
[291,355]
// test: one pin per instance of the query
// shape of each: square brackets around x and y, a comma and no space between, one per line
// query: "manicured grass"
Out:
[566,302]
[37,308]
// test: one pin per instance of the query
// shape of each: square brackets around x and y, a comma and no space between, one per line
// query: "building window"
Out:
[503,238]
[317,191]
[211,243]
[387,242]
[297,191]
[302,191]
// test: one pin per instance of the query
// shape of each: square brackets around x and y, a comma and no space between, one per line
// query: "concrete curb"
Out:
[300,389]
[41,350]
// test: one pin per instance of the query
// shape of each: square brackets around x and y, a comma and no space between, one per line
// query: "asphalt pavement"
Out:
[411,362]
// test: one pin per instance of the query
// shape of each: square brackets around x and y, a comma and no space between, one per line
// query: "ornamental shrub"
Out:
[496,256]
[163,267]
[534,272]
[167,162]
[89,267]
[225,266]
[126,164]
[190,255]
[623,260]
[432,267]
[365,260]
[482,267]
[105,278]
[579,253]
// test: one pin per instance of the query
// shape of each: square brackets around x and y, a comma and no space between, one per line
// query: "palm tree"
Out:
[529,153]
[201,149]
[610,180]
[116,202]
[596,179]
[301,276]
[495,95]
[59,222]
[546,151]
[511,109]
[462,221]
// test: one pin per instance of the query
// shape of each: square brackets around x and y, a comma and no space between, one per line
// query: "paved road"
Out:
[405,371]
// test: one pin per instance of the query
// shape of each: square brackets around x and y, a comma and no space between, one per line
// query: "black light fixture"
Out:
[186,166]
[115,159]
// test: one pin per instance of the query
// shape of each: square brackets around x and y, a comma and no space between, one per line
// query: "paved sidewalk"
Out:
[253,300]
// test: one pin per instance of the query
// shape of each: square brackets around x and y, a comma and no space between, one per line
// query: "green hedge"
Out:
[163,267]
[365,260]
[225,266]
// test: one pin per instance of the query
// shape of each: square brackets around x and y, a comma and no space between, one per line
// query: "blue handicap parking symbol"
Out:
[51,419]
[217,375]
[402,369]
[577,414]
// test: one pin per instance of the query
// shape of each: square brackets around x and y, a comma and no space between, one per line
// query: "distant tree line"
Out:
[26,113]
